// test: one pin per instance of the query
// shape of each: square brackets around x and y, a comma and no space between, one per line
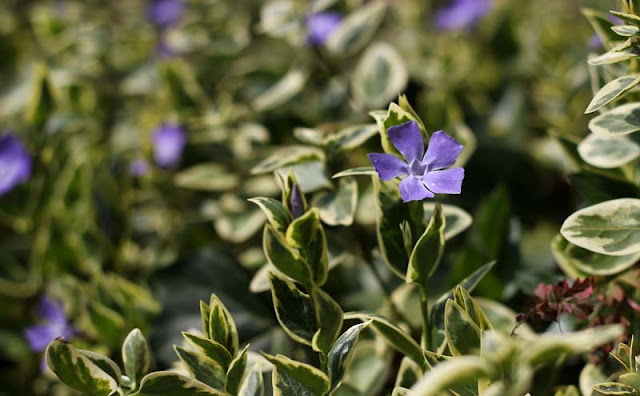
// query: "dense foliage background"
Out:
[127,233]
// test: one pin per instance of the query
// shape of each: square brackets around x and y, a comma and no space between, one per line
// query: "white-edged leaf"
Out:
[356,29]
[611,91]
[281,92]
[456,219]
[610,228]
[621,120]
[608,151]
[288,156]
[380,76]
[361,171]
[207,177]
[338,207]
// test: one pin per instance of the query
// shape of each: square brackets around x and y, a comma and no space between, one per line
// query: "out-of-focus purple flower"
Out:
[163,49]
[296,202]
[15,162]
[426,173]
[462,14]
[165,13]
[139,167]
[595,42]
[168,142]
[321,25]
[54,324]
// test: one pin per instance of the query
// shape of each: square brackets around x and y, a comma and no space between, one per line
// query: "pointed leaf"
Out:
[294,309]
[167,383]
[456,219]
[136,356]
[236,372]
[288,156]
[329,319]
[363,170]
[277,214]
[427,252]
[463,335]
[253,384]
[356,29]
[78,371]
[308,376]
[341,352]
[212,349]
[202,368]
[283,257]
[619,121]
[611,91]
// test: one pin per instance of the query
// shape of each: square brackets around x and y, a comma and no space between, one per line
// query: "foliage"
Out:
[171,149]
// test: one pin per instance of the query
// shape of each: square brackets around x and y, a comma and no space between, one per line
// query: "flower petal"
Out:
[442,152]
[448,181]
[388,166]
[51,311]
[39,336]
[412,189]
[407,138]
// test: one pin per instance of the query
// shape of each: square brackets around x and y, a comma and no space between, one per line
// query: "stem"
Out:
[425,340]
[324,363]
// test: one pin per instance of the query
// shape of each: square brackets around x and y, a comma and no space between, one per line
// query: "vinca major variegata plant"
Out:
[321,198]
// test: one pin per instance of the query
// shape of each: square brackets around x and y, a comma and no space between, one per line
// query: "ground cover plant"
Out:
[330,197]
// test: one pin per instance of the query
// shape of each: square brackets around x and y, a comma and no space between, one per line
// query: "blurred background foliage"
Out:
[86,84]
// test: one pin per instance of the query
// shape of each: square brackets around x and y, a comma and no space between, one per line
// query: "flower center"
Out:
[417,169]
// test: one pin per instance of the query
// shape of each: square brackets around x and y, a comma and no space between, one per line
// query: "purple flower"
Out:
[296,202]
[54,325]
[15,163]
[462,14]
[426,174]
[165,13]
[168,142]
[321,25]
[595,42]
[139,167]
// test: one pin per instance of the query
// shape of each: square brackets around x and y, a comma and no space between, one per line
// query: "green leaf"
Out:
[379,76]
[356,29]
[329,317]
[284,258]
[212,349]
[236,372]
[286,156]
[238,227]
[608,151]
[396,337]
[341,352]
[588,262]
[167,383]
[42,100]
[363,170]
[621,120]
[629,18]
[632,379]
[308,376]
[463,335]
[548,348]
[625,30]
[253,384]
[390,214]
[206,177]
[456,219]
[202,368]
[452,372]
[306,234]
[286,385]
[351,137]
[294,309]
[408,374]
[611,91]
[136,356]
[338,207]
[471,308]
[610,228]
[281,92]
[614,388]
[78,371]
[107,365]
[437,314]
[277,214]
[590,375]
[427,252]
[501,317]
[108,323]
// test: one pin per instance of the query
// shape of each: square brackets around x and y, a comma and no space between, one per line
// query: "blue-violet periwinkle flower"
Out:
[168,142]
[296,202]
[321,25]
[54,325]
[425,172]
[462,14]
[15,163]
[165,13]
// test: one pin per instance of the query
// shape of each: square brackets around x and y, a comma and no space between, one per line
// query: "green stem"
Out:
[425,340]
[324,363]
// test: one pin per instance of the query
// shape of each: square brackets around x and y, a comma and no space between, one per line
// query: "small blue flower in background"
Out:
[54,325]
[462,14]
[139,167]
[164,13]
[426,174]
[297,205]
[321,25]
[15,163]
[168,142]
